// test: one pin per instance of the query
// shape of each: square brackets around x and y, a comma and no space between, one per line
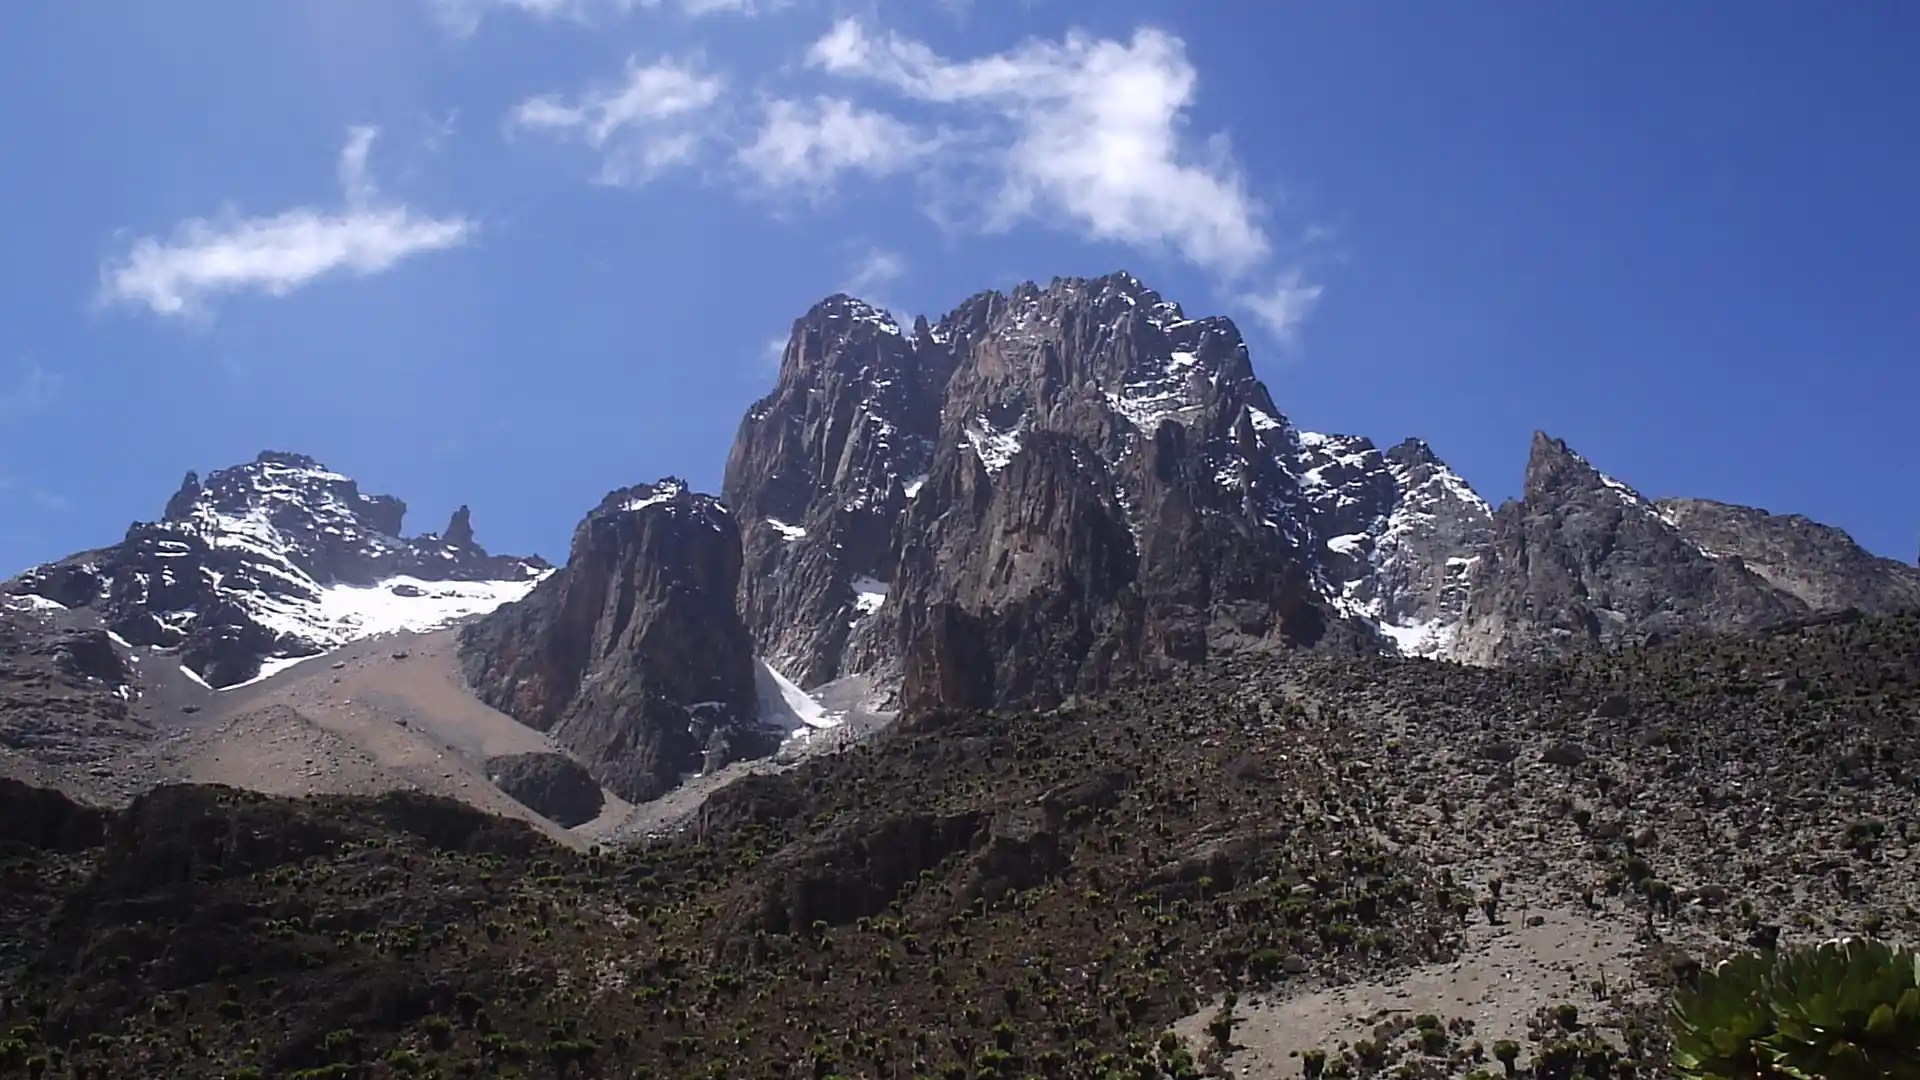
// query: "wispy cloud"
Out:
[773,352]
[278,254]
[807,144]
[31,390]
[877,268]
[1282,307]
[1084,130]
[462,17]
[1083,134]
[653,118]
[874,271]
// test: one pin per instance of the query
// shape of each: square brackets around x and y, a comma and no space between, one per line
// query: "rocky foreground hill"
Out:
[1068,893]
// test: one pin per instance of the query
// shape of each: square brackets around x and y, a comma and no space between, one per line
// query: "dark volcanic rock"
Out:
[855,869]
[552,785]
[89,654]
[820,470]
[1821,565]
[1401,531]
[47,820]
[1583,560]
[237,569]
[633,654]
[63,699]
[1061,489]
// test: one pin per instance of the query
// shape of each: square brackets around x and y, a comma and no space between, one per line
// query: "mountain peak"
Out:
[1553,466]
[1584,560]
[1413,451]
[842,308]
[288,459]
[459,530]
[275,560]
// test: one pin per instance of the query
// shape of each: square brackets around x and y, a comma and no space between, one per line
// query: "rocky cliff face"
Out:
[1583,560]
[820,471]
[1820,565]
[1074,486]
[633,655]
[1401,531]
[277,559]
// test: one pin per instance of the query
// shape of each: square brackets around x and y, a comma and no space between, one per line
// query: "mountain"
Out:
[263,564]
[633,655]
[1045,494]
[1583,561]
[1060,489]
[1820,565]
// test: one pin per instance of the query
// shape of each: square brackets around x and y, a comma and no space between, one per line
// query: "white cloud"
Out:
[354,181]
[774,351]
[1282,307]
[877,268]
[1085,134]
[807,144]
[463,17]
[278,254]
[1088,129]
[653,118]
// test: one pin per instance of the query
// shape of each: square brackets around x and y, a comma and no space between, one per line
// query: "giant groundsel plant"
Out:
[1847,1009]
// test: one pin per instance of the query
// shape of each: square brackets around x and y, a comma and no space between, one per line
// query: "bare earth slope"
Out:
[380,715]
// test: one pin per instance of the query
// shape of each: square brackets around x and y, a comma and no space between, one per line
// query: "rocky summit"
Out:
[1584,561]
[632,655]
[277,560]
[1079,481]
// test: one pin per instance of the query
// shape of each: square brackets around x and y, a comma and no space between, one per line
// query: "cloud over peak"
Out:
[650,119]
[1085,129]
[277,254]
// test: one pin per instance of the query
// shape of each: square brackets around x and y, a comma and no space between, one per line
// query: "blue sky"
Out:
[518,252]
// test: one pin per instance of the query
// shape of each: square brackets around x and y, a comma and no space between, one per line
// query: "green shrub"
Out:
[1841,1010]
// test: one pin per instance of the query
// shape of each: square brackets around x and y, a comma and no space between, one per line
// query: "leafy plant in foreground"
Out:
[1843,1010]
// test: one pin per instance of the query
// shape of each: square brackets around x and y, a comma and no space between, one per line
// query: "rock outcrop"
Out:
[1067,488]
[820,471]
[64,696]
[274,559]
[1584,561]
[552,785]
[633,655]
[1820,565]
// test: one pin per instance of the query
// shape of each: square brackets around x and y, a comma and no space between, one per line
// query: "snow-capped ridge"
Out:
[278,559]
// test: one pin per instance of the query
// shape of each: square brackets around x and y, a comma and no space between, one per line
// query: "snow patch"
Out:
[346,613]
[995,447]
[1346,544]
[661,493]
[194,675]
[787,532]
[33,602]
[1429,638]
[868,594]
[914,484]
[785,706]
